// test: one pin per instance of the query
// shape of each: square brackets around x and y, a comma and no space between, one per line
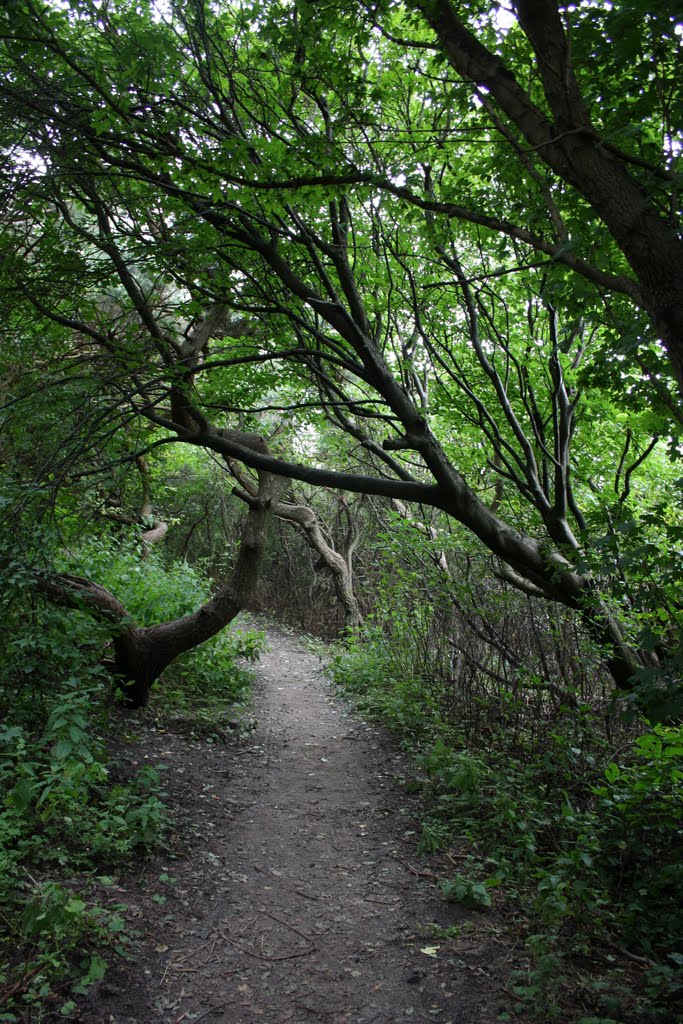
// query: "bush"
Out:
[62,819]
[584,841]
[401,702]
[150,590]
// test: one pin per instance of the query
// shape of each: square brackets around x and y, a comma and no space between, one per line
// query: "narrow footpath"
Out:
[297,896]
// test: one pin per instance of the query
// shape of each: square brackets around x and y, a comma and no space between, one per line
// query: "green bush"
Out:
[62,820]
[59,814]
[210,670]
[584,841]
[63,933]
[404,703]
[205,680]
[203,688]
[151,590]
[637,829]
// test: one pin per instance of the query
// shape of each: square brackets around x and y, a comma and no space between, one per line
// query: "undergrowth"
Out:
[72,814]
[580,839]
[63,821]
[205,690]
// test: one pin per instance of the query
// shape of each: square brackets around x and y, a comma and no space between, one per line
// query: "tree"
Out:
[582,129]
[303,517]
[141,653]
[241,220]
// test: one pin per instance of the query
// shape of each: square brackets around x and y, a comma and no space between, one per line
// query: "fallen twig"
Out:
[460,856]
[12,990]
[286,924]
[188,956]
[212,1009]
[642,961]
[307,895]
[413,871]
[270,957]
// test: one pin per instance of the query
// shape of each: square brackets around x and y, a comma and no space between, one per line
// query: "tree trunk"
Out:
[573,148]
[142,653]
[305,519]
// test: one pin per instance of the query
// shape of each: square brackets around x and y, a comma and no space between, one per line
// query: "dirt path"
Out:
[297,900]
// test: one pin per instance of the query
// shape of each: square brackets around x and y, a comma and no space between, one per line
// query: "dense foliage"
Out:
[546,806]
[426,256]
[73,811]
[251,209]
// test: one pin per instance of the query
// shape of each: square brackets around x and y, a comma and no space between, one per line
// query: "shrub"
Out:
[61,818]
[584,840]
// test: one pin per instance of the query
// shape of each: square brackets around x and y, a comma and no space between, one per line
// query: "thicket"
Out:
[73,812]
[564,810]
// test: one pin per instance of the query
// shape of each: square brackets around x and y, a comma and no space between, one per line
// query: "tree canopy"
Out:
[438,245]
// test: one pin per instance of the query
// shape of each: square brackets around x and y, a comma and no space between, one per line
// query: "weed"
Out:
[62,818]
[469,894]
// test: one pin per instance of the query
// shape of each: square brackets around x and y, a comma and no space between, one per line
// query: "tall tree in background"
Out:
[222,210]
